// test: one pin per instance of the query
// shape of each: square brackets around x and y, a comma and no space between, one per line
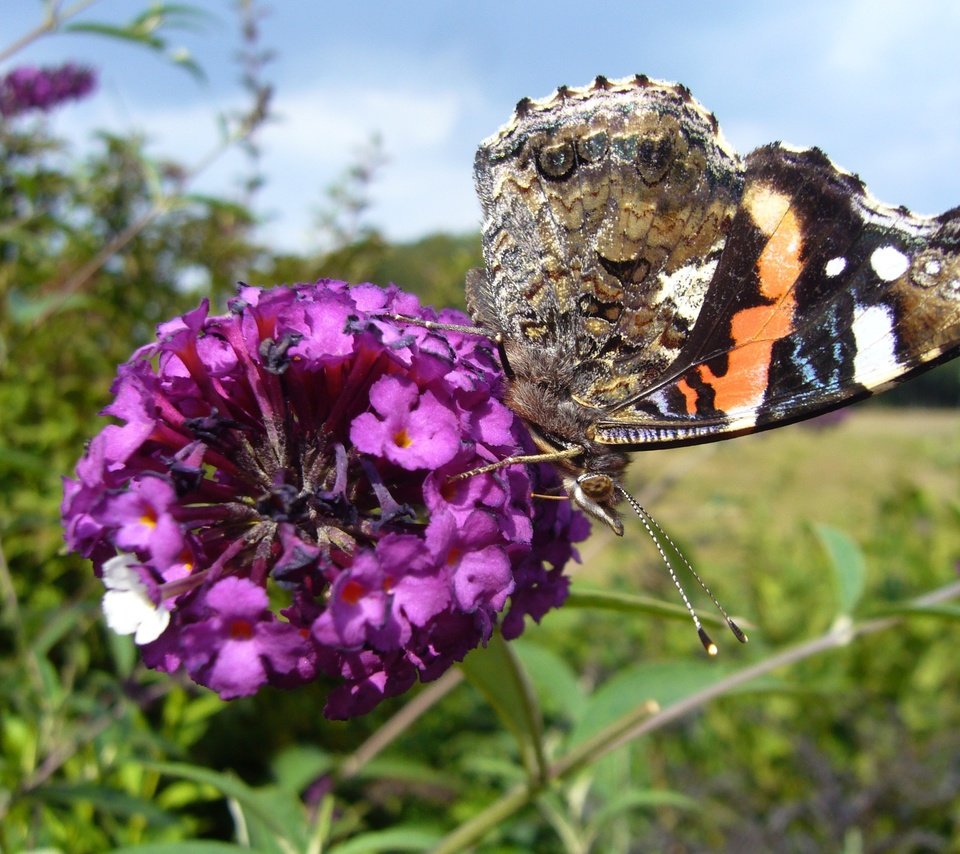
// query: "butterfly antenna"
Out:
[659,536]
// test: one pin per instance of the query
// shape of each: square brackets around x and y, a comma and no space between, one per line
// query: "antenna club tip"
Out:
[708,644]
[737,631]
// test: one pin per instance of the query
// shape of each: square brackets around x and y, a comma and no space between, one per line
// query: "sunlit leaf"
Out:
[661,682]
[106,800]
[631,603]
[273,814]
[943,611]
[849,568]
[555,681]
[131,34]
[643,798]
[297,767]
[407,769]
[187,846]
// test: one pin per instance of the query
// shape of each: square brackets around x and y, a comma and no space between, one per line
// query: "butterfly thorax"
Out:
[538,393]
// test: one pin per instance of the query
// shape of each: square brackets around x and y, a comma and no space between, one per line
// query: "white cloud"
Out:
[426,184]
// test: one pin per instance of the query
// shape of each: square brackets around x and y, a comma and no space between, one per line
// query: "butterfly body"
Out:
[652,288]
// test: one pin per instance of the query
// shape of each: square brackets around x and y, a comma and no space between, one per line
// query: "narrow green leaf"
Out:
[297,767]
[24,310]
[631,603]
[557,686]
[496,672]
[58,623]
[407,770]
[640,799]
[849,567]
[178,16]
[394,839]
[105,800]
[130,34]
[662,682]
[944,611]
[187,846]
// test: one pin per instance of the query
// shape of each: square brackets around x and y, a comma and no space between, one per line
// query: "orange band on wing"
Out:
[754,330]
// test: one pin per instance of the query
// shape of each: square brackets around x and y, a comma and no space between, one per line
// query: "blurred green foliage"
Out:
[852,749]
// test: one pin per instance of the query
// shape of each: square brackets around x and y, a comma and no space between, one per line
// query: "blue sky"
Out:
[875,84]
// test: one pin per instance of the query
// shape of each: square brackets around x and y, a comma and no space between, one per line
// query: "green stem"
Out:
[400,722]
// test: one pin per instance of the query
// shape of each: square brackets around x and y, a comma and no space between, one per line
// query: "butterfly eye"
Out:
[592,148]
[654,157]
[556,162]
[599,487]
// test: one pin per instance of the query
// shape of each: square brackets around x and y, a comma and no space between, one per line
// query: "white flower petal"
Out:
[127,605]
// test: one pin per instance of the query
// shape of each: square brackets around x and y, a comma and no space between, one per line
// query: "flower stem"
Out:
[400,722]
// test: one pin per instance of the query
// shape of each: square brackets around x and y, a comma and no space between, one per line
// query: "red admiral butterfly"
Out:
[648,287]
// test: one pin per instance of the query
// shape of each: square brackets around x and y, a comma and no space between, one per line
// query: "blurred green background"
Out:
[855,748]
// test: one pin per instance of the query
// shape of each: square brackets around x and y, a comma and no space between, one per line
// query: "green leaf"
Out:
[105,800]
[639,799]
[662,682]
[58,623]
[556,683]
[849,567]
[24,310]
[408,770]
[275,817]
[297,767]
[130,34]
[394,839]
[631,603]
[943,611]
[496,672]
[188,846]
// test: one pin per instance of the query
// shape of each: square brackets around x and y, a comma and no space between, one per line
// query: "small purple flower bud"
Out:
[279,492]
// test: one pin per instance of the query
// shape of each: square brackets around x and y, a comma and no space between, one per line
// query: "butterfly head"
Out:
[591,474]
[595,494]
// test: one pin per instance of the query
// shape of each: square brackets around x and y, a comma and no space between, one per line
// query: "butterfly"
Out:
[649,288]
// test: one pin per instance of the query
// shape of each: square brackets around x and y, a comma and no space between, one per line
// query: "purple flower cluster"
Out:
[278,503]
[29,88]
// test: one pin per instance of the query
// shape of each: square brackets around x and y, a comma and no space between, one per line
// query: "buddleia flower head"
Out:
[277,501]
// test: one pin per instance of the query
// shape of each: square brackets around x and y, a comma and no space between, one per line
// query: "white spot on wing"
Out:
[876,361]
[889,263]
[835,266]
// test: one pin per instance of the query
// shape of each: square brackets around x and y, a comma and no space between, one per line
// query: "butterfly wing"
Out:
[822,295]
